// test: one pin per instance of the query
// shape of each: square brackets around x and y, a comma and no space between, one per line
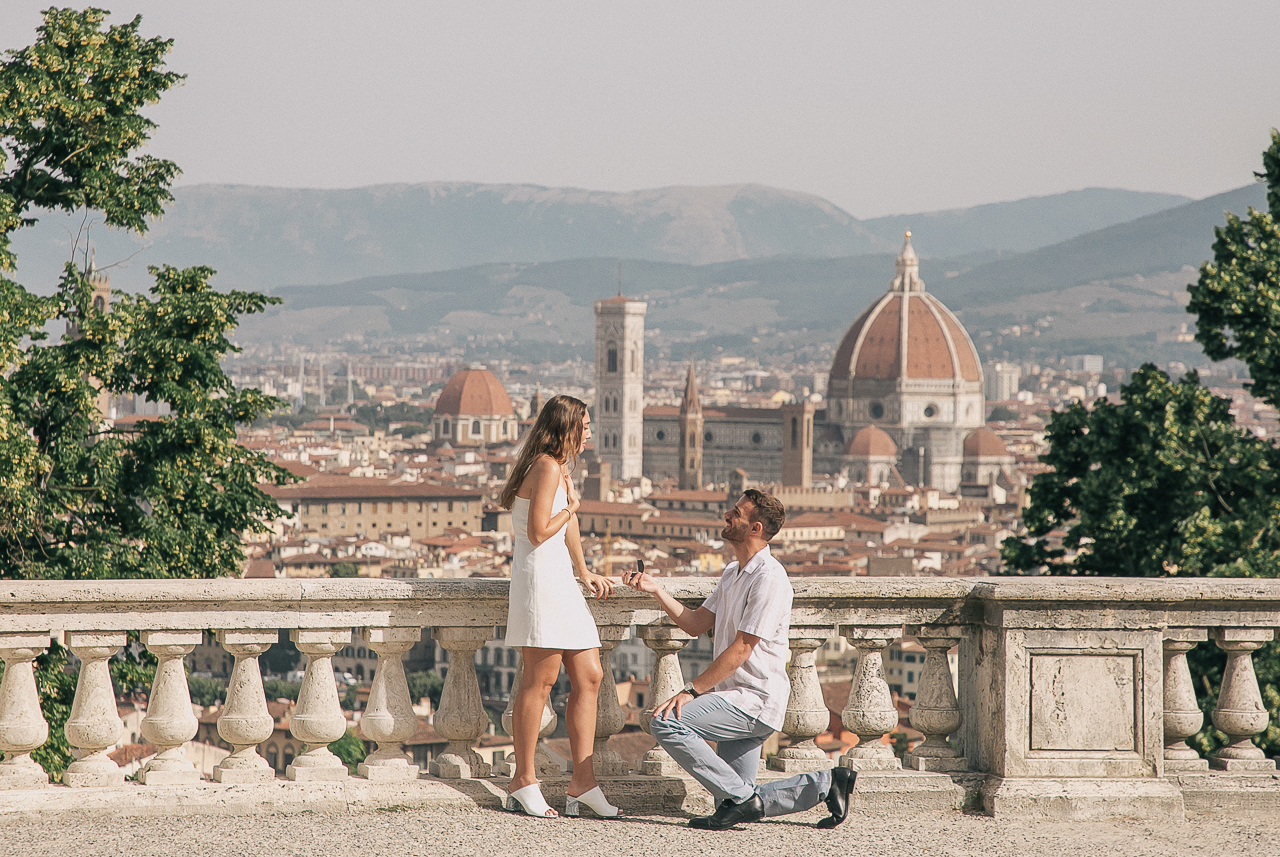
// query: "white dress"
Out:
[547,608]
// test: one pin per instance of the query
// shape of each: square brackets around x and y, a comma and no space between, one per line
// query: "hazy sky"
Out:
[880,107]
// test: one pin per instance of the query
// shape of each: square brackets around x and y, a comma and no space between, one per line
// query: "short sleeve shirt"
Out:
[756,600]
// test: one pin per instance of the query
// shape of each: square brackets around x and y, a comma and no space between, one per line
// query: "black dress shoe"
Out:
[729,813]
[842,780]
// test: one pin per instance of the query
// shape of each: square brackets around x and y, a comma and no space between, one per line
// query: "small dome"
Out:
[474,392]
[872,442]
[984,443]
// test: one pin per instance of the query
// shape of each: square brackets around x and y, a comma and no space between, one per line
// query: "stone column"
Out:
[610,718]
[461,717]
[936,711]
[870,712]
[666,641]
[1240,712]
[245,722]
[807,715]
[94,726]
[22,725]
[389,717]
[169,723]
[543,764]
[318,720]
[1182,716]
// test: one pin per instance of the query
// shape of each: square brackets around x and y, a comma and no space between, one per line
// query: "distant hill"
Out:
[267,238]
[1161,242]
[1021,225]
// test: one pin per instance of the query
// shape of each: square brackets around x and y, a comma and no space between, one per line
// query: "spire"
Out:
[908,269]
[691,402]
[619,278]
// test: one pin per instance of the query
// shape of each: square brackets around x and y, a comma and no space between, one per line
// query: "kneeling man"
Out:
[741,699]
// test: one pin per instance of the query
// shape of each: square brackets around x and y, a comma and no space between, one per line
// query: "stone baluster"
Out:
[22,726]
[245,722]
[389,718]
[1240,712]
[936,711]
[94,726]
[461,717]
[870,712]
[610,718]
[666,641]
[169,723]
[543,764]
[1182,716]
[807,715]
[318,720]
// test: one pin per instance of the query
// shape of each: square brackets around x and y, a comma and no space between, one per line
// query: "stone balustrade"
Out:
[1074,695]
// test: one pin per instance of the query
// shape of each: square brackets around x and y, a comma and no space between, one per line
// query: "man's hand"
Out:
[675,703]
[641,581]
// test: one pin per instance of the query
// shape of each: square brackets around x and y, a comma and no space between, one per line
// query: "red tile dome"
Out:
[871,441]
[474,392]
[984,443]
[936,344]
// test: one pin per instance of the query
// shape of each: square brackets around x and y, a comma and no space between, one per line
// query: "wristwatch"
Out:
[690,689]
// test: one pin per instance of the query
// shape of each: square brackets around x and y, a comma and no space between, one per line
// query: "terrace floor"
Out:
[492,833]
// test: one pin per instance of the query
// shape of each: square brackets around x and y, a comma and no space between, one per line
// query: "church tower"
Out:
[101,300]
[619,416]
[691,436]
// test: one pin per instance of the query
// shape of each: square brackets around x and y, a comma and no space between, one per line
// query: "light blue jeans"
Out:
[730,770]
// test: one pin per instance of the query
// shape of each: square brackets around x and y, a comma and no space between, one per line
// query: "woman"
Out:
[548,618]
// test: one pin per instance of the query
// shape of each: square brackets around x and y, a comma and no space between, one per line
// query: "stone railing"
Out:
[1074,695]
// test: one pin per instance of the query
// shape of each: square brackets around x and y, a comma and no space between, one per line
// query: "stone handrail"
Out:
[1075,687]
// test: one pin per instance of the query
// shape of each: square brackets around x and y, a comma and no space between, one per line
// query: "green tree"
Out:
[344,569]
[426,684]
[1163,483]
[280,689]
[1237,297]
[282,658]
[81,499]
[207,691]
[350,749]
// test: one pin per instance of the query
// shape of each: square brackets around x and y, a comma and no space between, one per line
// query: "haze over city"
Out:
[879,108]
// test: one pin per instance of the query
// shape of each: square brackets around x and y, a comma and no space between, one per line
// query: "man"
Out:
[742,697]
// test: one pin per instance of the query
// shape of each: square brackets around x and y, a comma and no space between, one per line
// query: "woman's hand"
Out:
[600,586]
[572,494]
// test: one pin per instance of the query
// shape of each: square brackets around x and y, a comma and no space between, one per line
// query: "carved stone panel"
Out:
[1083,702]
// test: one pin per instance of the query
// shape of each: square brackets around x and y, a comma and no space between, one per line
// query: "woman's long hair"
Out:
[557,432]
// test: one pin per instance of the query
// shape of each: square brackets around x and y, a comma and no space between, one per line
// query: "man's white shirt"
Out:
[756,600]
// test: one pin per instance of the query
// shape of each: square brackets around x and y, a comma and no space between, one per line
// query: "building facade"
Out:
[336,505]
[474,410]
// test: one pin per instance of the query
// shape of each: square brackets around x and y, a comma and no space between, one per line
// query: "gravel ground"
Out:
[492,833]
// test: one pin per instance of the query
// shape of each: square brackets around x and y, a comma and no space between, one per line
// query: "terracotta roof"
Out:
[474,392]
[984,443]
[754,415]
[872,441]
[348,487]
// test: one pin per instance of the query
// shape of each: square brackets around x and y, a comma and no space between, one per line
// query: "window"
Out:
[930,411]
[435,506]
[99,304]
[404,507]
[755,438]
[475,428]
[611,357]
[606,404]
[342,508]
[615,441]
[444,428]
[450,505]
[911,676]
[708,437]
[634,361]
[795,433]
[504,428]
[464,505]
[661,435]
[877,410]
[615,404]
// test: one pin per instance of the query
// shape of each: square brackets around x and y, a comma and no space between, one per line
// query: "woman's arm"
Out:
[600,585]
[545,476]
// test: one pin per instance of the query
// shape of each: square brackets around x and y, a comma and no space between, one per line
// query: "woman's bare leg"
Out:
[541,669]
[585,675]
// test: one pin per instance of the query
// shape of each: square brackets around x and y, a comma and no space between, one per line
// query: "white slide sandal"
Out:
[594,800]
[530,801]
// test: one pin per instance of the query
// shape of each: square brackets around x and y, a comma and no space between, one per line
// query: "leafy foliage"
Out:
[280,689]
[207,691]
[382,416]
[350,749]
[281,658]
[426,684]
[80,499]
[1237,298]
[1163,483]
[344,569]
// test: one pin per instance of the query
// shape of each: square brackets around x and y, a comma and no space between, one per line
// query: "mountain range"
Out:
[267,238]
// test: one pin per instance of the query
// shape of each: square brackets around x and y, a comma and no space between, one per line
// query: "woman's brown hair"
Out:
[556,432]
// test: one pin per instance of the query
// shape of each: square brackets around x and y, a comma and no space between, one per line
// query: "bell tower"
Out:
[691,436]
[618,426]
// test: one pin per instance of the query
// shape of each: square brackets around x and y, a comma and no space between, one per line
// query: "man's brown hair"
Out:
[769,513]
